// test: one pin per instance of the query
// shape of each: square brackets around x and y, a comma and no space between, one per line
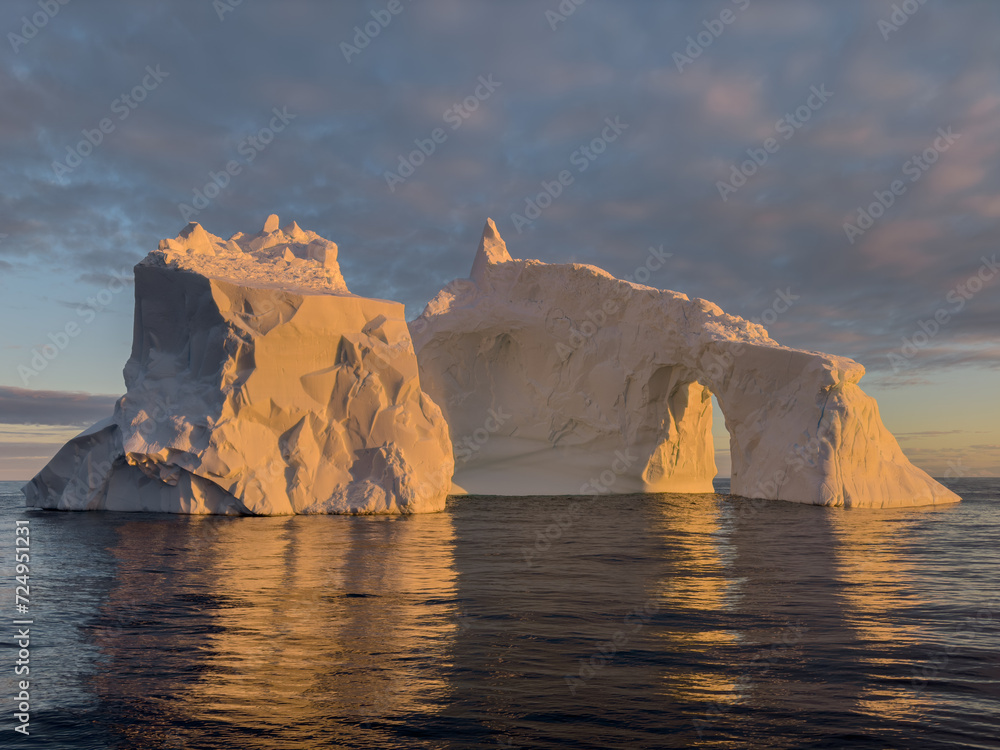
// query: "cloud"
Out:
[656,185]
[23,406]
[104,279]
[27,451]
[936,433]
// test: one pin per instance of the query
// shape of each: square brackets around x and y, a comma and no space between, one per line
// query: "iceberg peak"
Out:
[198,240]
[492,250]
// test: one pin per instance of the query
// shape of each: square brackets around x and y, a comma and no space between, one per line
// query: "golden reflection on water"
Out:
[331,631]
[874,564]
[316,622]
[696,581]
[762,580]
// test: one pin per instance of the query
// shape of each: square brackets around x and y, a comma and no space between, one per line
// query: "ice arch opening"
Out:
[687,441]
[561,379]
[720,442]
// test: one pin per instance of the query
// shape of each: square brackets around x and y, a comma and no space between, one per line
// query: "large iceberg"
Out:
[561,379]
[258,384]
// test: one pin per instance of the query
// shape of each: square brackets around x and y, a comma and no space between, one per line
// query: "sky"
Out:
[826,168]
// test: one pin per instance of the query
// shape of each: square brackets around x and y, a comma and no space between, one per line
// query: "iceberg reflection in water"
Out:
[646,622]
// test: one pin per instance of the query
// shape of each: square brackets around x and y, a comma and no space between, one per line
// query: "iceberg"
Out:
[258,384]
[560,379]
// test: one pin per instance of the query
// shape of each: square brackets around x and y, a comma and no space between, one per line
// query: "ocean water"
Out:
[663,621]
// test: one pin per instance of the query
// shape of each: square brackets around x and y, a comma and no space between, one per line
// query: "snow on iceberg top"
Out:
[287,258]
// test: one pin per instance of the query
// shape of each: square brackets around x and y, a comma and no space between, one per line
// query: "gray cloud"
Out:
[37,451]
[936,433]
[656,185]
[22,406]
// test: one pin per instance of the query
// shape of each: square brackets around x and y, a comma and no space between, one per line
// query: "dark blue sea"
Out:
[657,621]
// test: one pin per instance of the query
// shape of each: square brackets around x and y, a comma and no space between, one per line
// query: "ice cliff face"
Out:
[561,379]
[258,384]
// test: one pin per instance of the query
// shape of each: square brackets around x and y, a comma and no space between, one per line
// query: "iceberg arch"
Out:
[562,379]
